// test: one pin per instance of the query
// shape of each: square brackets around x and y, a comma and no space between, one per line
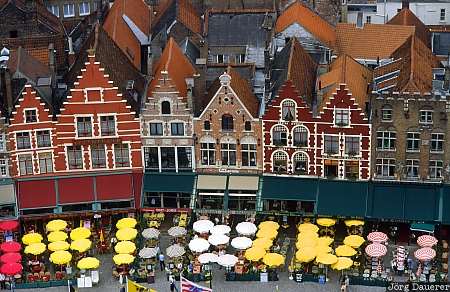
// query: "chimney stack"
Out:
[71,57]
[52,63]
[405,4]
[359,20]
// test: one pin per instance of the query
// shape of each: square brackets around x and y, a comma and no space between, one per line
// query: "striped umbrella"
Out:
[149,233]
[377,236]
[175,250]
[425,254]
[376,250]
[426,241]
[176,231]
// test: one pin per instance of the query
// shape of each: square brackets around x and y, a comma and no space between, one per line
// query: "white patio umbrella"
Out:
[227,260]
[149,233]
[426,241]
[220,229]
[218,239]
[198,245]
[175,251]
[148,252]
[176,231]
[425,254]
[206,258]
[241,243]
[203,226]
[246,228]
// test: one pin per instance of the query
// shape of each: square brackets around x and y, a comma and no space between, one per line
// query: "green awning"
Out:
[422,227]
[446,204]
[387,201]
[422,202]
[289,188]
[169,182]
[342,198]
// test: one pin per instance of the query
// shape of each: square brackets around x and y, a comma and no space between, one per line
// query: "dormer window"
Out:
[165,108]
[288,110]
[30,116]
[341,117]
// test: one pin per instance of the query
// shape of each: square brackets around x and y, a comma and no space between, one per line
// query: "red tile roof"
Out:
[244,92]
[371,41]
[407,17]
[177,66]
[312,22]
[23,64]
[185,13]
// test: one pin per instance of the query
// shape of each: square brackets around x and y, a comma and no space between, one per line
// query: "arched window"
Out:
[300,136]
[279,161]
[227,122]
[300,163]
[288,110]
[165,108]
[206,125]
[248,126]
[279,135]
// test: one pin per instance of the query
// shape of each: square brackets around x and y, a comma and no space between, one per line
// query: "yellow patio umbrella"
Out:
[263,242]
[123,258]
[326,258]
[255,253]
[326,222]
[354,222]
[80,233]
[88,263]
[269,225]
[126,234]
[354,241]
[273,259]
[57,236]
[305,255]
[125,247]
[321,249]
[325,240]
[58,245]
[31,238]
[81,245]
[308,227]
[307,235]
[267,233]
[56,225]
[60,257]
[126,223]
[35,248]
[306,242]
[345,251]
[342,264]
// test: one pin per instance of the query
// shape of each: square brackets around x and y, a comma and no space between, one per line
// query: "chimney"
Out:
[447,75]
[344,11]
[52,63]
[190,89]
[359,20]
[71,57]
[99,11]
[5,86]
[405,4]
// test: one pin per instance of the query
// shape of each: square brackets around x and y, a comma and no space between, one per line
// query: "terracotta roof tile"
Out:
[178,67]
[185,13]
[345,70]
[23,64]
[407,17]
[372,41]
[312,22]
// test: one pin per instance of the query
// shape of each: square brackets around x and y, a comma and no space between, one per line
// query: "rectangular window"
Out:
[184,155]
[437,142]
[342,117]
[221,59]
[156,129]
[435,170]
[168,158]
[412,142]
[177,129]
[84,8]
[84,127]
[3,167]
[240,58]
[43,139]
[426,117]
[442,15]
[412,168]
[386,140]
[25,164]
[352,146]
[98,156]
[2,142]
[122,155]
[208,152]
[75,157]
[151,158]
[386,114]
[385,167]
[331,144]
[30,116]
[228,152]
[351,169]
[69,10]
[107,126]
[45,162]
[23,140]
[54,9]
[248,154]
[368,19]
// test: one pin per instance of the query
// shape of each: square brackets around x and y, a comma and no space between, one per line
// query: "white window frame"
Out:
[249,153]
[382,163]
[386,111]
[439,139]
[32,163]
[304,157]
[341,122]
[2,142]
[288,103]
[92,126]
[338,144]
[414,140]
[285,158]
[347,152]
[99,117]
[3,167]
[72,5]
[39,161]
[434,170]
[412,167]
[285,131]
[183,126]
[387,135]
[36,136]
[54,9]
[426,117]
[83,5]
[209,150]
[300,129]
[442,14]
[92,157]
[25,115]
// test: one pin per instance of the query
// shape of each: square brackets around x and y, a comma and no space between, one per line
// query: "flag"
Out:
[188,286]
[135,287]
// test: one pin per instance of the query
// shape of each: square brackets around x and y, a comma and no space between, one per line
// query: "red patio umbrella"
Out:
[10,246]
[426,241]
[9,225]
[377,236]
[11,257]
[376,250]
[425,254]
[10,269]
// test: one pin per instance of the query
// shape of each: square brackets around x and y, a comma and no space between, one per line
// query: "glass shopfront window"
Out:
[167,200]
[241,202]
[152,200]
[214,202]
[305,207]
[7,211]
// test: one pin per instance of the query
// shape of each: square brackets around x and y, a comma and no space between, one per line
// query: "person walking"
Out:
[173,287]
[2,282]
[162,264]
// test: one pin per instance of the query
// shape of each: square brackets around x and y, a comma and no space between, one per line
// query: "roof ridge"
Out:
[169,58]
[291,54]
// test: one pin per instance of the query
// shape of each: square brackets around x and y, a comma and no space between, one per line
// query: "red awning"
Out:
[76,190]
[114,187]
[36,194]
